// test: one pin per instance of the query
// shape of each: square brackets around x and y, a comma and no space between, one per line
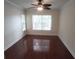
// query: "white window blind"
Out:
[41,22]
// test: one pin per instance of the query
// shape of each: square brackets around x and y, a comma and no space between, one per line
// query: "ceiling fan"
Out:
[40,5]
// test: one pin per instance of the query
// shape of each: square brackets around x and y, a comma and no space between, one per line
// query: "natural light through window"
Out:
[41,22]
[23,23]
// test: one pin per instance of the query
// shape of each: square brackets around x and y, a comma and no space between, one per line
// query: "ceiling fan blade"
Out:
[34,4]
[31,7]
[47,4]
[47,8]
[39,0]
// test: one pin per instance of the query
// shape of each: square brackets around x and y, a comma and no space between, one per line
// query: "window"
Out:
[41,22]
[23,23]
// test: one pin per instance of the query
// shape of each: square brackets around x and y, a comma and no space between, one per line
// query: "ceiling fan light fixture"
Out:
[40,5]
[39,8]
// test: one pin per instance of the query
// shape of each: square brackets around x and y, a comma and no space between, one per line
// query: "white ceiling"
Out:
[27,3]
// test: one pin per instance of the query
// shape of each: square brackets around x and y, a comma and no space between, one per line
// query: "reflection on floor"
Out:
[38,47]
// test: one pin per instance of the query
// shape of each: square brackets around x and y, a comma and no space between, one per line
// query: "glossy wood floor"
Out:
[24,49]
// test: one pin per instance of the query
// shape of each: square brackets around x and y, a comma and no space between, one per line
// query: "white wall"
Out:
[13,25]
[55,22]
[67,26]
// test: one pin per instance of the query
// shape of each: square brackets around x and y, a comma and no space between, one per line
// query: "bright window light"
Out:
[41,22]
[23,23]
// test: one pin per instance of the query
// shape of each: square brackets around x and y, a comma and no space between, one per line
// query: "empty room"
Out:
[39,29]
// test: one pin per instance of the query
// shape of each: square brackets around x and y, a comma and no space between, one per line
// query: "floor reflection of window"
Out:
[40,45]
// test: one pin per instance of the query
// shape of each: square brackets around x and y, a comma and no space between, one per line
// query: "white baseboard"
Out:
[13,42]
[72,53]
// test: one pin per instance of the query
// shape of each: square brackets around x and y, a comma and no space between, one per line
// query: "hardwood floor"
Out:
[38,47]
